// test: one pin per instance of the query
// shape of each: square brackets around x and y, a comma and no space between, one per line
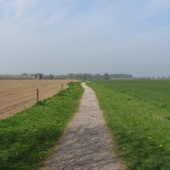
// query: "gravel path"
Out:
[86,144]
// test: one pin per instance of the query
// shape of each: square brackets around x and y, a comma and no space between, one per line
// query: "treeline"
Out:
[115,76]
[105,76]
[84,76]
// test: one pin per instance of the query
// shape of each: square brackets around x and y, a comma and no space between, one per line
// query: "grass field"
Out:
[27,136]
[16,95]
[155,91]
[137,113]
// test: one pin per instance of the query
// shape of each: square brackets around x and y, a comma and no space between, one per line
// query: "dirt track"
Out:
[86,144]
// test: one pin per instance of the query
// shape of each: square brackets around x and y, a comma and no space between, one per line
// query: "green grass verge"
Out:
[140,128]
[26,137]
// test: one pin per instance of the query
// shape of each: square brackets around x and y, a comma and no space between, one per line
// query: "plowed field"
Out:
[16,95]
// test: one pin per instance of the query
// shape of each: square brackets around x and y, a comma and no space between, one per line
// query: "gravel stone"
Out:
[86,144]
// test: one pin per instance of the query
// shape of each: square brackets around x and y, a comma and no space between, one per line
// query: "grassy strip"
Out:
[140,129]
[26,137]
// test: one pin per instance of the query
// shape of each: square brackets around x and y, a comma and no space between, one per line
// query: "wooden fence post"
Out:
[37,95]
[62,86]
[133,91]
[160,99]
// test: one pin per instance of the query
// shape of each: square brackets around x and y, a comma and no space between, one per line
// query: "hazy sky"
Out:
[85,36]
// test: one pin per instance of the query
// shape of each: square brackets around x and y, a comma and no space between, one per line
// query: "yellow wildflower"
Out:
[149,137]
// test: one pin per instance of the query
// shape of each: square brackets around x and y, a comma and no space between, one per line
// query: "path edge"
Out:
[44,164]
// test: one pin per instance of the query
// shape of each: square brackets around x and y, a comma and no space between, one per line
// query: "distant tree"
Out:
[98,77]
[40,76]
[51,76]
[106,76]
[70,76]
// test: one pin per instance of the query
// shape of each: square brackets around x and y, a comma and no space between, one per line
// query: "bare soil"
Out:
[86,144]
[17,95]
